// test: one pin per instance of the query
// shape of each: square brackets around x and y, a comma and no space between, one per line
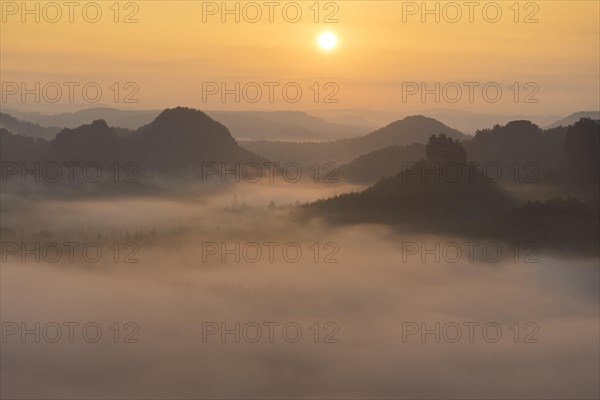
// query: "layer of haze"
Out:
[368,294]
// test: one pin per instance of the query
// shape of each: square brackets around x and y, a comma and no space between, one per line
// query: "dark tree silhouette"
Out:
[442,149]
[581,148]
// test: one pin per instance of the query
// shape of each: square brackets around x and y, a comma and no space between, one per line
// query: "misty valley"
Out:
[172,257]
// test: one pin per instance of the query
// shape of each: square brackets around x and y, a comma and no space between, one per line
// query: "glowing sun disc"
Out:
[327,41]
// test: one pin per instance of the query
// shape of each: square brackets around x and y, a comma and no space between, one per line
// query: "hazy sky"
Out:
[170,52]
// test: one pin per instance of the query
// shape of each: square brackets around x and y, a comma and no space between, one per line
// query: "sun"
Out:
[327,41]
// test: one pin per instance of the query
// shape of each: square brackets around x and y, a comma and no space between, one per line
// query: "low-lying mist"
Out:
[323,311]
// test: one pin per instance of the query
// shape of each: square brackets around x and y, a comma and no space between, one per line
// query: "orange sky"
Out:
[171,54]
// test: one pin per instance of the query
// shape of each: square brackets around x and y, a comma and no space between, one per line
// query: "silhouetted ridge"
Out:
[579,170]
[422,197]
[418,122]
[573,118]
[410,130]
[519,142]
[179,140]
[92,142]
[95,129]
[183,137]
[19,127]
[186,121]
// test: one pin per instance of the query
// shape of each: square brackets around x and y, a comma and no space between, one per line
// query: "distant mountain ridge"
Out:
[413,129]
[417,200]
[517,146]
[131,119]
[283,125]
[253,125]
[571,119]
[178,139]
[17,126]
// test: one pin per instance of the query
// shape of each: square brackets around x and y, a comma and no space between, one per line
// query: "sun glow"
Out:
[327,41]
